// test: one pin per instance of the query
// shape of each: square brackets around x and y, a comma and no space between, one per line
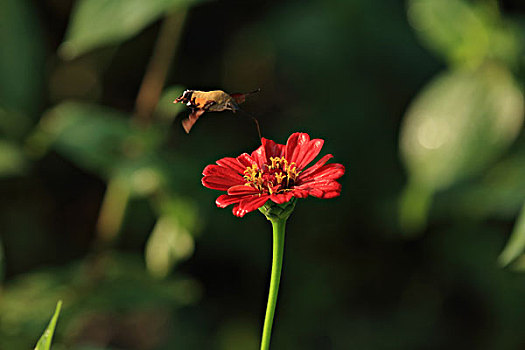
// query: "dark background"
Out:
[102,206]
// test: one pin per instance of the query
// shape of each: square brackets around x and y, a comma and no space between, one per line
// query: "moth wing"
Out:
[187,123]
[240,97]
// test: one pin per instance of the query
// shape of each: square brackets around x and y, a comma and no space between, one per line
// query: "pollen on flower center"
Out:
[278,176]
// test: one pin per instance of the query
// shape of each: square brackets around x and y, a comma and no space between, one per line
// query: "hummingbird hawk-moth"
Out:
[209,101]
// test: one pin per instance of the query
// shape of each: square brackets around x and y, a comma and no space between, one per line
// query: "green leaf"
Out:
[498,193]
[45,340]
[95,138]
[123,287]
[97,23]
[22,57]
[463,32]
[516,244]
[461,122]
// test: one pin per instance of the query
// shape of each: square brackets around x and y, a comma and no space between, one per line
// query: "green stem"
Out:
[158,67]
[1,264]
[278,225]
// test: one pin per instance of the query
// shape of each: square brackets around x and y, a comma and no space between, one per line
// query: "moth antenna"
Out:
[255,120]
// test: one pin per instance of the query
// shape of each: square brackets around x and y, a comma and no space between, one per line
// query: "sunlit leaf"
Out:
[12,159]
[172,238]
[21,57]
[45,341]
[459,123]
[516,244]
[463,32]
[169,243]
[96,23]
[144,178]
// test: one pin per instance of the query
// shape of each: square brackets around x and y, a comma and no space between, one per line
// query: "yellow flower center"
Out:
[278,176]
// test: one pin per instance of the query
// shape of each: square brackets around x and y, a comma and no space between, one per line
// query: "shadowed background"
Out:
[101,202]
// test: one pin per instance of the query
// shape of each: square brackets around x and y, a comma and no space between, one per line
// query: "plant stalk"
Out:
[278,225]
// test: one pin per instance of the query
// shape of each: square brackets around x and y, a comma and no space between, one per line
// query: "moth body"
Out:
[208,101]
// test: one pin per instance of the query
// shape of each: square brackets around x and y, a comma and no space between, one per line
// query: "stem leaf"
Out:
[516,244]
[45,340]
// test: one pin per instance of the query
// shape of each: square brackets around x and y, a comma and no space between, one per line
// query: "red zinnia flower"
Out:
[274,172]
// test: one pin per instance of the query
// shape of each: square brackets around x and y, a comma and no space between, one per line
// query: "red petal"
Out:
[231,163]
[301,150]
[299,193]
[249,204]
[216,170]
[326,172]
[324,194]
[308,152]
[293,145]
[272,149]
[259,155]
[322,189]
[316,166]
[332,194]
[281,198]
[225,199]
[218,182]
[246,160]
[324,185]
[253,202]
[237,211]
[242,190]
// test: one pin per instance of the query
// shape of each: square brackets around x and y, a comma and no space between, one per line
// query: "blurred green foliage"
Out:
[465,33]
[102,207]
[456,126]
[21,62]
[96,23]
[468,117]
